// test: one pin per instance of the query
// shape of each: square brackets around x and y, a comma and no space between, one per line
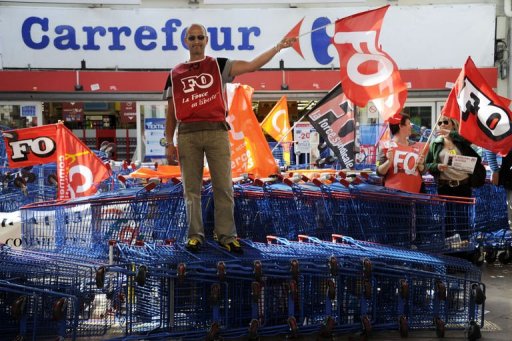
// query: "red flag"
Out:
[78,168]
[367,72]
[484,117]
[250,152]
[31,146]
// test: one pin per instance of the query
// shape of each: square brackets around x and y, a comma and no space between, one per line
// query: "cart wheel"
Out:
[52,179]
[181,271]
[19,307]
[30,177]
[367,289]
[253,330]
[474,331]
[441,290]
[331,289]
[478,293]
[258,270]
[439,327]
[491,256]
[367,325]
[215,294]
[333,266]
[404,326]
[505,257]
[213,333]
[479,256]
[256,291]
[327,327]
[60,308]
[294,268]
[404,289]
[293,287]
[19,182]
[367,268]
[100,277]
[221,271]
[292,323]
[141,276]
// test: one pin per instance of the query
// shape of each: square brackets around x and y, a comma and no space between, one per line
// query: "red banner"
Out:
[367,72]
[484,117]
[78,168]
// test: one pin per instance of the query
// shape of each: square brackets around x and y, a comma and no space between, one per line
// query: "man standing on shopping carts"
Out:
[197,109]
[502,176]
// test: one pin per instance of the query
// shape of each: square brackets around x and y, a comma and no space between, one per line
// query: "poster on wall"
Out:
[128,112]
[154,136]
[73,112]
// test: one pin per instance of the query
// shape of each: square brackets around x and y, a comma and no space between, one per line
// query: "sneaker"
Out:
[193,244]
[233,246]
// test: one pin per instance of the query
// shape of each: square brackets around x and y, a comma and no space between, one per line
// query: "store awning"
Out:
[96,85]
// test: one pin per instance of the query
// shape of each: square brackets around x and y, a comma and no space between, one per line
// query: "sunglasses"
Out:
[445,122]
[199,37]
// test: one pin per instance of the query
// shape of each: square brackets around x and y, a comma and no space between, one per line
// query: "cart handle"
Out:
[277,240]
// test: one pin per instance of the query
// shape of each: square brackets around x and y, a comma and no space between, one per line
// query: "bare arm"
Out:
[170,127]
[241,66]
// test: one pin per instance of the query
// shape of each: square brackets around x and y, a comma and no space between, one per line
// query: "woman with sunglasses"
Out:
[197,110]
[451,181]
[400,161]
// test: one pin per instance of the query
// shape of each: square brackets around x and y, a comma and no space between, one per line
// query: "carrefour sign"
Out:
[50,37]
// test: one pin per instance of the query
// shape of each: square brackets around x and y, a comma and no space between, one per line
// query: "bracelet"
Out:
[167,144]
[276,48]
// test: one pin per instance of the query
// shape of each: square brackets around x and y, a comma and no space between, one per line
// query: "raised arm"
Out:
[241,66]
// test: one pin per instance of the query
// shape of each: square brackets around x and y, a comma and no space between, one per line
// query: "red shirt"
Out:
[197,91]
[401,174]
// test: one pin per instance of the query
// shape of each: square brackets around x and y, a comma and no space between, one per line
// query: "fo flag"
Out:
[333,118]
[484,117]
[367,72]
[78,168]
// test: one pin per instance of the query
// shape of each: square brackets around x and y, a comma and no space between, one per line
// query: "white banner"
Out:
[418,37]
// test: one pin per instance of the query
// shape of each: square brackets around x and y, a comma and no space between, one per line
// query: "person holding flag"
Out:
[450,180]
[400,161]
[197,110]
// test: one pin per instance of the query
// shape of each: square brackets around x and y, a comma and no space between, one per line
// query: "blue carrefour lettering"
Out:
[116,37]
[91,33]
[26,32]
[320,41]
[37,34]
[66,41]
[169,29]
[246,35]
[214,39]
[145,33]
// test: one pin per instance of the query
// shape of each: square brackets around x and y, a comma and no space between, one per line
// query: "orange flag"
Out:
[250,152]
[277,124]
